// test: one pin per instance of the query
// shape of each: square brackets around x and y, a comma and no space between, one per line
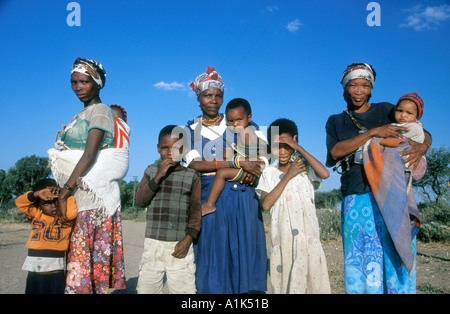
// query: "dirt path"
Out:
[433,275]
[13,238]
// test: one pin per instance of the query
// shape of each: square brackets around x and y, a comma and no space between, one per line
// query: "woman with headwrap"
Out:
[84,162]
[372,263]
[230,252]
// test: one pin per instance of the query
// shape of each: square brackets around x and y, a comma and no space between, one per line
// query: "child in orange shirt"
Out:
[48,241]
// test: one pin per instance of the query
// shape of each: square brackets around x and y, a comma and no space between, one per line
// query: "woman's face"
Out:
[84,86]
[359,91]
[210,102]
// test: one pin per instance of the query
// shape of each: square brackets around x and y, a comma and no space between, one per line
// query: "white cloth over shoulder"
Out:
[101,182]
[415,131]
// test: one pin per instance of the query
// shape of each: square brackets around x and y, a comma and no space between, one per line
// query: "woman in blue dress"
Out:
[371,262]
[230,252]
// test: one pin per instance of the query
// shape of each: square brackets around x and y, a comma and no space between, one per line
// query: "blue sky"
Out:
[285,57]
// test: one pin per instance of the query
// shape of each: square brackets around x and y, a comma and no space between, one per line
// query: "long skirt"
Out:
[230,253]
[95,260]
[371,263]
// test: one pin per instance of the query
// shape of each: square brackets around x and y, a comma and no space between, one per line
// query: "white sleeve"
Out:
[189,157]
[263,184]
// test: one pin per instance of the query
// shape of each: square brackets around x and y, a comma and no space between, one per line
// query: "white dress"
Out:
[297,261]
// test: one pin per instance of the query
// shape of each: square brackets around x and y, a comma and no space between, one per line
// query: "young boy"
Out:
[48,241]
[297,262]
[172,195]
[239,115]
[408,111]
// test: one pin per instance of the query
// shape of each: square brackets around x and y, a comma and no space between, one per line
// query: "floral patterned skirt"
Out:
[95,260]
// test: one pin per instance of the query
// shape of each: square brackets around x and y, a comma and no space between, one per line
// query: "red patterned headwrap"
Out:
[210,79]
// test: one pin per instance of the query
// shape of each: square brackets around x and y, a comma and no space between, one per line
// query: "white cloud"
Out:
[170,86]
[272,8]
[294,25]
[427,18]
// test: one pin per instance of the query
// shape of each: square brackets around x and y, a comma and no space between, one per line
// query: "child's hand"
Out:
[295,167]
[288,140]
[48,194]
[182,247]
[164,167]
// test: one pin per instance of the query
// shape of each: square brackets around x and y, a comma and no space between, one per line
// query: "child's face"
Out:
[48,207]
[170,147]
[282,151]
[119,113]
[406,111]
[238,119]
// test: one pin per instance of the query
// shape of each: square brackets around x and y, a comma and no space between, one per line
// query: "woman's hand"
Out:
[252,167]
[252,171]
[414,155]
[346,147]
[248,179]
[387,130]
[61,206]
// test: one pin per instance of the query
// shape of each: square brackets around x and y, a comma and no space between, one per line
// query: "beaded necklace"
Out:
[211,122]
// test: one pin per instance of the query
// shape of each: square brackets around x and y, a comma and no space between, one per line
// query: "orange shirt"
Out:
[45,233]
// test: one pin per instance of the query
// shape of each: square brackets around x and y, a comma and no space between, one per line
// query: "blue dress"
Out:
[230,252]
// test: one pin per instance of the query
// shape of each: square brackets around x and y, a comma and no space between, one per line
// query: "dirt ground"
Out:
[433,259]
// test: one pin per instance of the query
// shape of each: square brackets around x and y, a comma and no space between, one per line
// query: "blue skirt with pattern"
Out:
[230,252]
[371,262]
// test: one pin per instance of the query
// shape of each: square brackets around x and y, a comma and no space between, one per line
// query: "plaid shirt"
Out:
[174,205]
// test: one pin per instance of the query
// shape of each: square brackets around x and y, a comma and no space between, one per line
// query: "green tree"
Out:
[5,194]
[328,199]
[23,176]
[127,193]
[434,186]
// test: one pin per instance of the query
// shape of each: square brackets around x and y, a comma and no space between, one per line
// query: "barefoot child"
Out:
[48,241]
[239,115]
[172,195]
[297,262]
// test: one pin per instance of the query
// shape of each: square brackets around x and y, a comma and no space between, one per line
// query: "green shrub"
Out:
[329,223]
[134,213]
[12,214]
[435,217]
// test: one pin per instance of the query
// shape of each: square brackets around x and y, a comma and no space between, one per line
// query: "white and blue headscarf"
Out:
[92,68]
